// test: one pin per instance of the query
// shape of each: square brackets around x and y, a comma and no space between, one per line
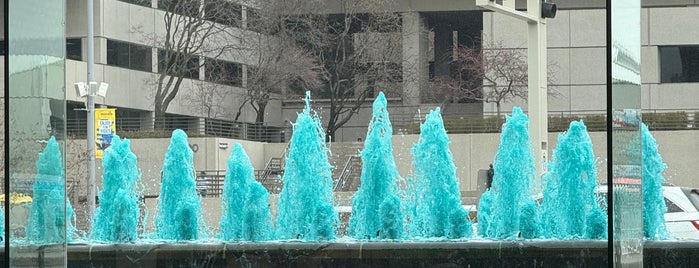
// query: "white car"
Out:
[682,216]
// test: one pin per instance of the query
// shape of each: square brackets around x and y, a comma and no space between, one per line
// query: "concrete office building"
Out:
[127,60]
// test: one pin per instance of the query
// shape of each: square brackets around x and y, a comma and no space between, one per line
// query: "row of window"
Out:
[220,11]
[678,64]
[139,57]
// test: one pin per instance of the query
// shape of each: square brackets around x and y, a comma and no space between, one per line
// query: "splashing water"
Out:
[512,183]
[376,207]
[305,209]
[570,209]
[654,207]
[245,203]
[116,219]
[47,221]
[179,206]
[436,202]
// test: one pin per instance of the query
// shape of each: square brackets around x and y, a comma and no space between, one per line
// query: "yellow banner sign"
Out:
[105,129]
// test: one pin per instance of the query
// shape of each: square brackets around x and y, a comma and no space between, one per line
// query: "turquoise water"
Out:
[245,202]
[117,217]
[376,208]
[179,208]
[436,209]
[510,203]
[49,220]
[305,209]
[570,209]
[654,208]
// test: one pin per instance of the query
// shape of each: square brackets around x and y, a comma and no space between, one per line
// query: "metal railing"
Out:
[277,132]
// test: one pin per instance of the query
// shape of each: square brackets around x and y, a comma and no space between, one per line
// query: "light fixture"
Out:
[80,89]
[102,90]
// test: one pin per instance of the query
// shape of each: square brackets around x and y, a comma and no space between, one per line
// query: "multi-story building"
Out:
[126,57]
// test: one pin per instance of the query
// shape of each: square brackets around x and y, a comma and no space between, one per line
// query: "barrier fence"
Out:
[280,132]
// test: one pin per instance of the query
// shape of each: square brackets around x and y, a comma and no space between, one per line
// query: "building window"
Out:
[224,72]
[178,64]
[74,49]
[252,17]
[145,3]
[679,64]
[183,7]
[223,12]
[129,55]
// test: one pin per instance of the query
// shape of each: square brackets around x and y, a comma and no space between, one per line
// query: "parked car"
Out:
[682,216]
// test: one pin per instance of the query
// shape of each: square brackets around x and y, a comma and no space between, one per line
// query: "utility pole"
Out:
[537,12]
[90,106]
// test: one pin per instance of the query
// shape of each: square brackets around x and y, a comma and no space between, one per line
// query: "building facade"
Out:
[126,57]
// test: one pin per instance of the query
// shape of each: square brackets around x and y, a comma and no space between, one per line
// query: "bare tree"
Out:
[358,54]
[191,30]
[494,74]
[208,99]
[277,61]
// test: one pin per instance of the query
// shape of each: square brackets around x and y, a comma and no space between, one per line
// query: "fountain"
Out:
[653,201]
[116,219]
[376,211]
[570,209]
[511,210]
[435,207]
[305,209]
[508,214]
[179,208]
[50,222]
[245,203]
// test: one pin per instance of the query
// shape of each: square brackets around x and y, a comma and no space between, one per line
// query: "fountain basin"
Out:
[476,253]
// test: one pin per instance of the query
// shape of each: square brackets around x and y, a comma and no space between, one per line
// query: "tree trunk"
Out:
[260,117]
[497,122]
[159,119]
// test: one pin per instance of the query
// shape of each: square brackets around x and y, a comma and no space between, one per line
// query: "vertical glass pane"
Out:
[37,131]
[626,142]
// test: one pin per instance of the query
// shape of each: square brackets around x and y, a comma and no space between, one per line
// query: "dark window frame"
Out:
[192,71]
[129,55]
[215,71]
[74,49]
[678,64]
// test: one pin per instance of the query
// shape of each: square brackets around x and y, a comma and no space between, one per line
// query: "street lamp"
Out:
[535,16]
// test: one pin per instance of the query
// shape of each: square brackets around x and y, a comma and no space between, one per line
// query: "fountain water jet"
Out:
[570,209]
[49,220]
[435,205]
[179,208]
[245,204]
[376,211]
[116,218]
[511,193]
[654,207]
[305,209]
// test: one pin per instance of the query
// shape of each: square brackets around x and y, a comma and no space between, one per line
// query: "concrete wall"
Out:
[471,153]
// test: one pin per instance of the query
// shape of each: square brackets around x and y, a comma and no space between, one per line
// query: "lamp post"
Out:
[535,16]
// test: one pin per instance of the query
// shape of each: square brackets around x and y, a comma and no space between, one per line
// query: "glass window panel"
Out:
[36,98]
[679,64]
[223,11]
[140,58]
[74,49]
